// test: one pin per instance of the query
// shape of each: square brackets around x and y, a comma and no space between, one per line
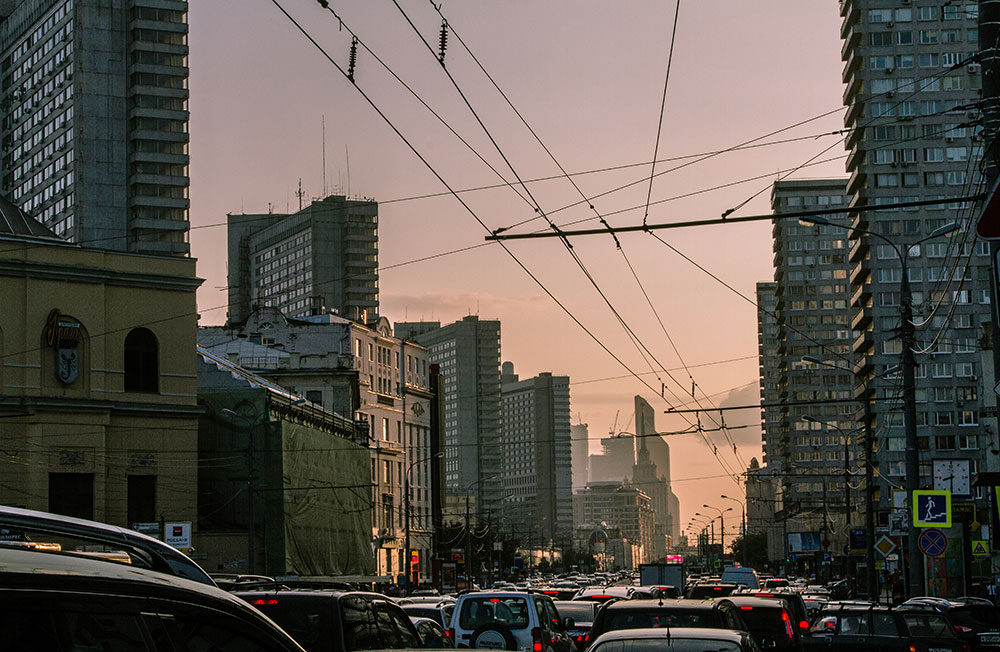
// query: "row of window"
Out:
[930,155]
[924,37]
[927,132]
[891,62]
[954,11]
[917,179]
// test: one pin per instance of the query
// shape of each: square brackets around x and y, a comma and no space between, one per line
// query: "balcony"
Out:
[855,111]
[863,344]
[851,40]
[861,296]
[862,318]
[854,138]
[852,65]
[859,252]
[854,88]
[856,182]
[860,273]
[855,157]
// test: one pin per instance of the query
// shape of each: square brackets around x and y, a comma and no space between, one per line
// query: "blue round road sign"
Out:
[932,542]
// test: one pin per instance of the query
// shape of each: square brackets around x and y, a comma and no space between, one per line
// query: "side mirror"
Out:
[568,622]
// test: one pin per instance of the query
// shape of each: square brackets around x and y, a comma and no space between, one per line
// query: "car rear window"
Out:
[676,645]
[639,619]
[582,612]
[928,626]
[765,621]
[510,611]
[304,620]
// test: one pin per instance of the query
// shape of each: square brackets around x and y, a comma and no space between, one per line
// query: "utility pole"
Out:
[873,583]
[912,459]
[468,545]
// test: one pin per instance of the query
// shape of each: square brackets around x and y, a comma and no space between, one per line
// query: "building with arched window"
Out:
[98,379]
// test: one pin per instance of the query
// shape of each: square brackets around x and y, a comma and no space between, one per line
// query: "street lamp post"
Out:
[908,363]
[847,476]
[722,526]
[743,526]
[406,515]
[468,530]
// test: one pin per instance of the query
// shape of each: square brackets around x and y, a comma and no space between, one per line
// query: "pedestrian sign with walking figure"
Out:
[931,508]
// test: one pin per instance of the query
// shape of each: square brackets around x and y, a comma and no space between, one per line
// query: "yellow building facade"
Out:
[98,382]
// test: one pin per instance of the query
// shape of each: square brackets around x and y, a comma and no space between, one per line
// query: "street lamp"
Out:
[916,569]
[722,525]
[251,489]
[743,525]
[406,509]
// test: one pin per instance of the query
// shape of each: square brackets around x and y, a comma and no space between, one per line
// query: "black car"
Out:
[707,590]
[769,622]
[882,629]
[976,620]
[337,621]
[635,614]
[793,602]
[55,600]
[578,617]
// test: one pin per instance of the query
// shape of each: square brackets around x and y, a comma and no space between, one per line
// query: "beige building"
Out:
[98,386]
[614,505]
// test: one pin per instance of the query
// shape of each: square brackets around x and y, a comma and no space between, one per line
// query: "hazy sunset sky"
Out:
[588,77]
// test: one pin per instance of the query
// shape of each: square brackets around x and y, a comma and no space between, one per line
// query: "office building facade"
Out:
[468,353]
[323,258]
[537,460]
[94,120]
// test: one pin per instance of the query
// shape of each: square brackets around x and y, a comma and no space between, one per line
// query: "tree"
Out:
[756,547]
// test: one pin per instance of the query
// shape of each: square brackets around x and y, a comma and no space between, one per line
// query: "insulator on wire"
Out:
[443,41]
[352,59]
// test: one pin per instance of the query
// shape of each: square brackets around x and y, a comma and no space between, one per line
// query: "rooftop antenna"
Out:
[347,154]
[300,194]
[324,155]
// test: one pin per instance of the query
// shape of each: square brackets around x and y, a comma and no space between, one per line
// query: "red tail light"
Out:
[803,625]
[261,602]
[746,608]
[536,639]
[788,624]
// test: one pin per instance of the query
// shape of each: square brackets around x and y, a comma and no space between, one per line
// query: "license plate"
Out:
[989,638]
[939,649]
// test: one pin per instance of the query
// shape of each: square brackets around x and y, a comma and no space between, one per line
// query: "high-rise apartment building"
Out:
[812,320]
[580,449]
[323,258]
[912,102]
[94,120]
[468,352]
[537,462]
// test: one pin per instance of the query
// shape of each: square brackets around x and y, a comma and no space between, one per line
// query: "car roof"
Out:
[666,603]
[755,602]
[29,570]
[673,632]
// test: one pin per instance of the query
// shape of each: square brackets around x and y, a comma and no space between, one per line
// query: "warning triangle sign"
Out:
[979,549]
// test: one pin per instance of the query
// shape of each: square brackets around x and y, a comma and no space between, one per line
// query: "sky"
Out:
[588,78]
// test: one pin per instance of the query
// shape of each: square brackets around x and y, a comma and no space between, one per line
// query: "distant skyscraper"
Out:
[322,258]
[468,352]
[94,120]
[651,474]
[537,470]
[616,459]
[580,448]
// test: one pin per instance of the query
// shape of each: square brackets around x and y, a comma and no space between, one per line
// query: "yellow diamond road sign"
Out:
[979,548]
[885,545]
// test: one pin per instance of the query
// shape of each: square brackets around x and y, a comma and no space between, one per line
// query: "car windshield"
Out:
[668,645]
[509,611]
[580,613]
[639,619]
[928,626]
[305,621]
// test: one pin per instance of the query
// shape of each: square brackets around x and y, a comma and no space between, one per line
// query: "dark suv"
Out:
[53,600]
[337,621]
[882,629]
[635,614]
[769,622]
[976,620]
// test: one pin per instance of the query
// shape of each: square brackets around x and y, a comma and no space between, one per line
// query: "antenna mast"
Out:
[323,117]
[300,194]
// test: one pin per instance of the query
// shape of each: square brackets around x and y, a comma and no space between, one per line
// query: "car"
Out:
[792,602]
[439,611]
[976,620]
[770,622]
[432,634]
[775,583]
[636,614]
[559,592]
[705,590]
[508,620]
[742,575]
[604,593]
[688,639]
[336,621]
[28,528]
[882,629]
[578,617]
[61,600]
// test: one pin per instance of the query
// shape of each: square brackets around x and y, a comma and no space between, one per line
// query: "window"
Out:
[72,494]
[927,13]
[141,499]
[142,372]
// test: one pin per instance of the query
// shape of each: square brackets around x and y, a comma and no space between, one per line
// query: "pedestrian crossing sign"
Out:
[931,508]
[979,548]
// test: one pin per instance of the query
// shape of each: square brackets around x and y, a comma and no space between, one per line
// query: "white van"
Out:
[741,575]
